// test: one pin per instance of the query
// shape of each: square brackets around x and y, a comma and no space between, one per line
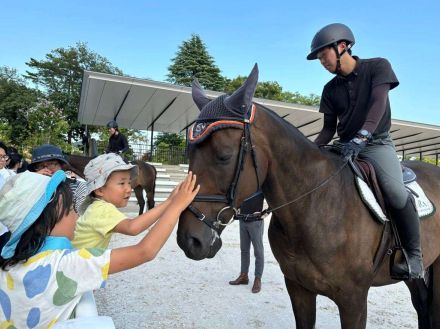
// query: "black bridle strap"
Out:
[240,166]
[211,198]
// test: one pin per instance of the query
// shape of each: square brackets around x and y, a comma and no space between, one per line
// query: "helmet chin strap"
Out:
[338,57]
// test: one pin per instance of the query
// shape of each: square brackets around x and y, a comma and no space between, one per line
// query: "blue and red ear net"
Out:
[201,129]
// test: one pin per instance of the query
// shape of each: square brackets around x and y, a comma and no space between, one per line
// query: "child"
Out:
[42,278]
[108,178]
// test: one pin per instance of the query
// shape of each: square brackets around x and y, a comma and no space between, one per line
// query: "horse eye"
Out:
[224,157]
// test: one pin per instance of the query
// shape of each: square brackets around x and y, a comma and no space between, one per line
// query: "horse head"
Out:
[221,155]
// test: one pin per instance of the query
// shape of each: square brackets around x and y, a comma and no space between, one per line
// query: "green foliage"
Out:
[16,99]
[49,125]
[59,76]
[170,139]
[193,61]
[272,90]
[169,148]
[297,98]
[167,154]
[430,160]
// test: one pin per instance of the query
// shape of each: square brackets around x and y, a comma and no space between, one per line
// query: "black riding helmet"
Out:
[112,124]
[330,35]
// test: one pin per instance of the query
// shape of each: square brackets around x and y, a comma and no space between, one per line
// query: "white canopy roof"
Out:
[146,104]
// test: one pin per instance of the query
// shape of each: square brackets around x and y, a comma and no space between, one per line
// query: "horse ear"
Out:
[198,95]
[241,99]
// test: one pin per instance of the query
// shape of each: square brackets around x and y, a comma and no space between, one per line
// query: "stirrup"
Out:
[402,276]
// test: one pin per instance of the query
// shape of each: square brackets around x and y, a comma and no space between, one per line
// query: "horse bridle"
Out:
[250,209]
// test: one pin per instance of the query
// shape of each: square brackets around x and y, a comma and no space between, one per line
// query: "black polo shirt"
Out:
[349,97]
[117,143]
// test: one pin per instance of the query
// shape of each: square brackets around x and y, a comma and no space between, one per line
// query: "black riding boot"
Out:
[408,226]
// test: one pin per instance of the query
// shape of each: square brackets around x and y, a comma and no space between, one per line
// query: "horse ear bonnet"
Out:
[223,112]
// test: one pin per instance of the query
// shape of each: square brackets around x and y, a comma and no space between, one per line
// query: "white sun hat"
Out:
[98,171]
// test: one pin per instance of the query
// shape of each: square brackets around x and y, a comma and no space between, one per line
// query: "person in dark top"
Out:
[117,143]
[47,159]
[355,104]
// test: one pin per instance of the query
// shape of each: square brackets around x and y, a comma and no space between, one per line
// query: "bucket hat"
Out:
[23,198]
[46,152]
[98,170]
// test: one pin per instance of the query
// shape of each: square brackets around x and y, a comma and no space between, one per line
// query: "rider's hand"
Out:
[352,149]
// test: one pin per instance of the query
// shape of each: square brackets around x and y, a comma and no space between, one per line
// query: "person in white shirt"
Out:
[4,158]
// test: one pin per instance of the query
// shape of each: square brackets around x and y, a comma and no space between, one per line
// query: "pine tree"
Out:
[193,61]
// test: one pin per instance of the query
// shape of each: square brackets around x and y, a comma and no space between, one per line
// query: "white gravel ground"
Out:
[175,292]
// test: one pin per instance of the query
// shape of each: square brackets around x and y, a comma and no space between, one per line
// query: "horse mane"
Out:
[297,135]
[285,124]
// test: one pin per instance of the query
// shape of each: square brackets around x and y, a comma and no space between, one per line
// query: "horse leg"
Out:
[421,300]
[140,198]
[435,306]
[353,310]
[150,199]
[303,305]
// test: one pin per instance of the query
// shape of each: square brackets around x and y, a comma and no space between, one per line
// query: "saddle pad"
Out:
[425,207]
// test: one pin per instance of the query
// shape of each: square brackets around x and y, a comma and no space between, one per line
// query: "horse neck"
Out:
[296,166]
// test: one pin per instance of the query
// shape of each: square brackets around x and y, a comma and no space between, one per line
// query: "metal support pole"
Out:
[151,142]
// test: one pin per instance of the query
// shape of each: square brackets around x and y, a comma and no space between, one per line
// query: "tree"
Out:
[48,124]
[273,90]
[193,61]
[265,89]
[170,139]
[297,98]
[60,75]
[16,99]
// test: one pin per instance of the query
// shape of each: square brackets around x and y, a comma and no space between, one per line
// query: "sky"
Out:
[142,37]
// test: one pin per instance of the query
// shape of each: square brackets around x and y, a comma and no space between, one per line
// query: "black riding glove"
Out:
[352,149]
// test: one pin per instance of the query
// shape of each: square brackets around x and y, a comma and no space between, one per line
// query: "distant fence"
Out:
[170,155]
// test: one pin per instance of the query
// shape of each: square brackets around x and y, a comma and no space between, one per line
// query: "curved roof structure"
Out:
[152,105]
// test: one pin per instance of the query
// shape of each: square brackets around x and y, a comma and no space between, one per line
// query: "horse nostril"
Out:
[195,243]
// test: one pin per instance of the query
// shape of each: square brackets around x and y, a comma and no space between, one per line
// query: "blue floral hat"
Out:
[22,200]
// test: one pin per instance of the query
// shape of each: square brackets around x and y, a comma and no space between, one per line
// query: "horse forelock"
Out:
[214,116]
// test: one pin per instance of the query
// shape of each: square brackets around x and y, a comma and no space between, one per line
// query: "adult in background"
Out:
[15,160]
[47,159]
[251,232]
[355,104]
[4,161]
[117,143]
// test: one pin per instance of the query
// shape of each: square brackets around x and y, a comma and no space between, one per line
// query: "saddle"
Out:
[372,196]
[371,193]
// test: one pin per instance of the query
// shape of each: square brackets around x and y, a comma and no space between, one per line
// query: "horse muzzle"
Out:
[198,242]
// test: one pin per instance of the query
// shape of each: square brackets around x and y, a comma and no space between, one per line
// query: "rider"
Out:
[117,143]
[355,104]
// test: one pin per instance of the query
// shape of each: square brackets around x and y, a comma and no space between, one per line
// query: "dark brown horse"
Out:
[321,234]
[144,181]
